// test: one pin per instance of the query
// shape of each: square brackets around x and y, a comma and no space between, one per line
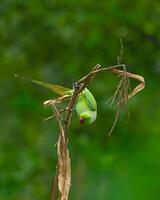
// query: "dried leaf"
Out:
[64,172]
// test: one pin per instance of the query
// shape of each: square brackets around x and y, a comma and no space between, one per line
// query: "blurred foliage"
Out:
[60,41]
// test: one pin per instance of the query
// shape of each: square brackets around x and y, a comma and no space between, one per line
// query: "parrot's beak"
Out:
[81,120]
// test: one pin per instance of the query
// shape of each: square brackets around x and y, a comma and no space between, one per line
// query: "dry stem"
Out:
[62,179]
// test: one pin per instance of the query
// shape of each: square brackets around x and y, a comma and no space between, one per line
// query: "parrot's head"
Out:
[85,118]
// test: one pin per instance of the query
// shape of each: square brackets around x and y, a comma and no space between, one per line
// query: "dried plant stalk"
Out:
[62,179]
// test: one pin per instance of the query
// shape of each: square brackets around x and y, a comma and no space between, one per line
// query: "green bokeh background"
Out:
[60,41]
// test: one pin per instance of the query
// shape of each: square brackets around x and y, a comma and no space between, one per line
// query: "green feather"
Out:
[90,100]
[58,89]
[55,88]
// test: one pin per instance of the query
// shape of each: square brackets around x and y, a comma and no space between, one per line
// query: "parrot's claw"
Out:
[77,85]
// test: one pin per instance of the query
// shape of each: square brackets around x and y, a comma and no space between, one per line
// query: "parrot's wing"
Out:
[58,89]
[90,99]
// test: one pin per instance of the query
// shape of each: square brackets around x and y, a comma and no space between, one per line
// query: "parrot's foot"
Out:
[77,85]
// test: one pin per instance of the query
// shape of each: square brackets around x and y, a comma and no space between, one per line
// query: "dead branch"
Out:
[62,179]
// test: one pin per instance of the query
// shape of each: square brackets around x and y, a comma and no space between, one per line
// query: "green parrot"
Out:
[86,106]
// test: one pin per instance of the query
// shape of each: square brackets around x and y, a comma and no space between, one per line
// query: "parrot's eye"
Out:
[81,120]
